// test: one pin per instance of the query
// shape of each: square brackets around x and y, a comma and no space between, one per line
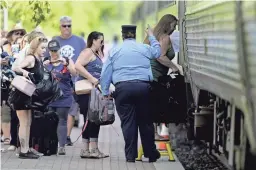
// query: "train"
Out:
[217,49]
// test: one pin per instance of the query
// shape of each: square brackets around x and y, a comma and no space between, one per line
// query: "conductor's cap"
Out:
[129,28]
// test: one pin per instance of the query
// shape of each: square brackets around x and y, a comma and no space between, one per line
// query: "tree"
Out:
[86,16]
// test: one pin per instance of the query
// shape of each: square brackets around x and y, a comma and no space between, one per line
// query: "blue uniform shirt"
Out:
[129,61]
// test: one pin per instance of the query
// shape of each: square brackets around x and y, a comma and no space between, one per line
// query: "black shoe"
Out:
[130,160]
[28,155]
[69,143]
[155,158]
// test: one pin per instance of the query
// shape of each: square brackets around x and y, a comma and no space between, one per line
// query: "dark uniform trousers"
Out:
[132,104]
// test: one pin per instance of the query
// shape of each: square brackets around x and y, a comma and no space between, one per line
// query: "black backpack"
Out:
[169,100]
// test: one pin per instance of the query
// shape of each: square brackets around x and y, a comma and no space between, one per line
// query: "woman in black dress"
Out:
[31,65]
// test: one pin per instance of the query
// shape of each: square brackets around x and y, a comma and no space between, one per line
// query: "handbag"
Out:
[24,85]
[83,87]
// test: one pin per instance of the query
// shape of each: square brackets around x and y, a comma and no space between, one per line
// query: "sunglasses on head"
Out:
[41,39]
[66,26]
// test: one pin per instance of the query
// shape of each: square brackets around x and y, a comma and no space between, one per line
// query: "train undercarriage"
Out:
[221,126]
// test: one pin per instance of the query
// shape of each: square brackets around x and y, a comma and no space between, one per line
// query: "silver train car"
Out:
[218,54]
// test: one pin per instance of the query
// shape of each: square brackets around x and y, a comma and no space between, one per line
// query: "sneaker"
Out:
[11,148]
[62,151]
[159,138]
[95,153]
[28,155]
[85,153]
[36,152]
[7,141]
[69,143]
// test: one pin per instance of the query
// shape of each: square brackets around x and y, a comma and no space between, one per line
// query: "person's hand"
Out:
[149,31]
[64,61]
[25,73]
[94,81]
[180,69]
[46,62]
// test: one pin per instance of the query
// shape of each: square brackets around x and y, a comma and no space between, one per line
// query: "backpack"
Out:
[101,111]
[169,100]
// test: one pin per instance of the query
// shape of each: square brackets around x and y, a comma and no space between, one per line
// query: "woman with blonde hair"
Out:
[161,65]
[30,67]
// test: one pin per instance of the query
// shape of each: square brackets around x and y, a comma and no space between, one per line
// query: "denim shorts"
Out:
[74,109]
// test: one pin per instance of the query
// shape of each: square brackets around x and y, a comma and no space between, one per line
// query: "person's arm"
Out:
[29,62]
[84,58]
[71,67]
[154,49]
[106,77]
[163,59]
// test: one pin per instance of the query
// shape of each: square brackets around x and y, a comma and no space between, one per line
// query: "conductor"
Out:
[128,68]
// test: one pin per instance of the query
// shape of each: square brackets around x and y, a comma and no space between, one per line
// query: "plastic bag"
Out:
[47,91]
[101,111]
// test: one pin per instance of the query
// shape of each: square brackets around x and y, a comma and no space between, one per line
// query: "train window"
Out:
[137,14]
[150,7]
[164,4]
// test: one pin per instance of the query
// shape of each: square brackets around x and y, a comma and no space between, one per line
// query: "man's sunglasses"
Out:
[66,26]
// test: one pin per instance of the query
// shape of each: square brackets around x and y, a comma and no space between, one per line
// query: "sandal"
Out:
[96,154]
[7,141]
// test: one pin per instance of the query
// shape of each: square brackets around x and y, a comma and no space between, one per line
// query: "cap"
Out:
[129,28]
[53,45]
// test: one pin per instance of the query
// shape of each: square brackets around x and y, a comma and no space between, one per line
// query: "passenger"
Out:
[62,68]
[89,66]
[31,64]
[12,36]
[161,65]
[128,67]
[25,46]
[14,119]
[71,47]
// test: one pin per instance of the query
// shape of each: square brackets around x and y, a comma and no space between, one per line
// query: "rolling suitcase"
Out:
[43,134]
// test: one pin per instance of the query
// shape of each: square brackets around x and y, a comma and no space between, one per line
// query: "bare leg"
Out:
[157,136]
[6,127]
[24,129]
[70,124]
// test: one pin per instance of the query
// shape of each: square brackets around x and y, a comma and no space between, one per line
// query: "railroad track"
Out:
[194,155]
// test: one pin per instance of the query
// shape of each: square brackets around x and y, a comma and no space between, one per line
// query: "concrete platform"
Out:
[110,143]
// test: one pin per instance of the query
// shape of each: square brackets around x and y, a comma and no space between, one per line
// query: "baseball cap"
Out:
[53,45]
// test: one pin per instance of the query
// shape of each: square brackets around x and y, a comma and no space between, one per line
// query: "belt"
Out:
[132,81]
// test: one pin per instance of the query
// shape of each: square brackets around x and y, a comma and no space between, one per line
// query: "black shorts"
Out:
[19,100]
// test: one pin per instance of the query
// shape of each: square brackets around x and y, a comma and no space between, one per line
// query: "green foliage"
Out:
[3,4]
[41,9]
[87,16]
